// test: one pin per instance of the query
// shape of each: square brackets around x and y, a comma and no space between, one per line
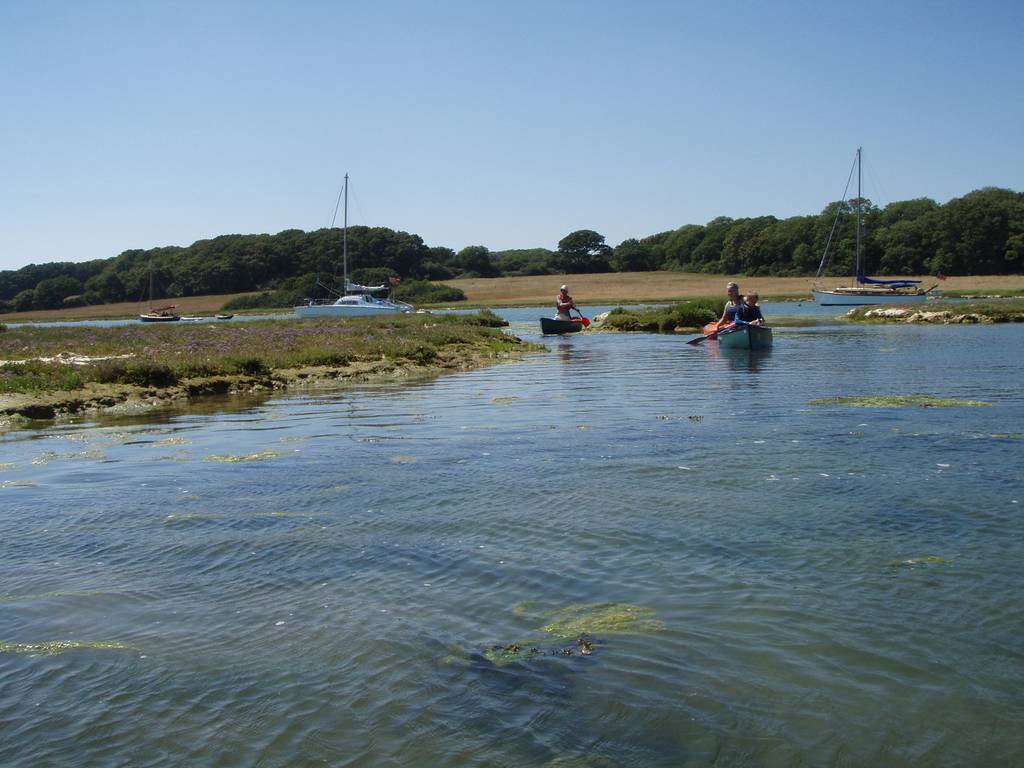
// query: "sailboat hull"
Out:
[864,297]
[358,307]
[159,318]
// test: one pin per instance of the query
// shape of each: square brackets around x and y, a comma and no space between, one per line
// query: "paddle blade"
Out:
[585,321]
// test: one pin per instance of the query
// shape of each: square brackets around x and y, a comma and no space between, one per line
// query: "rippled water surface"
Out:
[322,578]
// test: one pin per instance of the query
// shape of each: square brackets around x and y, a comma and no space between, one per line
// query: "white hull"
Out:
[865,298]
[343,308]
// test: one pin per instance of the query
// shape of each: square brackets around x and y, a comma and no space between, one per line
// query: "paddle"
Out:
[584,320]
[713,334]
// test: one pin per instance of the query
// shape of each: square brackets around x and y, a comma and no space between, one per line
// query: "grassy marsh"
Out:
[274,353]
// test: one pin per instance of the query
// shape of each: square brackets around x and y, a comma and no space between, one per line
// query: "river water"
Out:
[321,578]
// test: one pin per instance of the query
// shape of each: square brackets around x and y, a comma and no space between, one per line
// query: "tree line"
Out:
[977,234]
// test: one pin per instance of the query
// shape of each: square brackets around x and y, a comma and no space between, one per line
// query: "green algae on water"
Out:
[499,656]
[261,456]
[49,456]
[171,441]
[55,647]
[602,618]
[899,401]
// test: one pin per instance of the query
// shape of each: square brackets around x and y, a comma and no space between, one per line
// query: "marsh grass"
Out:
[687,314]
[164,355]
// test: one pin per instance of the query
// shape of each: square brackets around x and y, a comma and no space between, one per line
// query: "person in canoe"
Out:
[563,304]
[734,300]
[748,313]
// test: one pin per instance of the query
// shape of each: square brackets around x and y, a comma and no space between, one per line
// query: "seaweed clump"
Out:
[579,625]
[899,401]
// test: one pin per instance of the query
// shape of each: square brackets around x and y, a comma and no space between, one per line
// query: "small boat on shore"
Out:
[746,337]
[551,327]
[223,317]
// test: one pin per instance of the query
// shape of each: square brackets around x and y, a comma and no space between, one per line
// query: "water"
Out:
[834,586]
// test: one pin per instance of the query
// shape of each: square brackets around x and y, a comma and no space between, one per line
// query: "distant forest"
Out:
[981,233]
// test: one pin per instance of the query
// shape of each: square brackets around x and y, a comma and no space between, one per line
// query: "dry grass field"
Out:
[607,288]
[192,305]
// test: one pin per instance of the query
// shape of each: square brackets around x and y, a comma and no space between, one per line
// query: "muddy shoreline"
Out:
[20,410]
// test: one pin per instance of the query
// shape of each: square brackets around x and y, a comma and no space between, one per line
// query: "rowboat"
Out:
[549,326]
[746,337]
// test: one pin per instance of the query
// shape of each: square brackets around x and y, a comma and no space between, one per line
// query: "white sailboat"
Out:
[358,300]
[866,290]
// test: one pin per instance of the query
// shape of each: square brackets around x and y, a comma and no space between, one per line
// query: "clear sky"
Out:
[141,123]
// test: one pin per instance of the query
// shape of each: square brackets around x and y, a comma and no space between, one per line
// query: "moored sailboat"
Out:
[866,290]
[357,300]
[159,314]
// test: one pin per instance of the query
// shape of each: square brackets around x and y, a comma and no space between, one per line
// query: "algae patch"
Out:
[602,618]
[170,441]
[899,401]
[261,456]
[55,647]
[576,627]
[49,456]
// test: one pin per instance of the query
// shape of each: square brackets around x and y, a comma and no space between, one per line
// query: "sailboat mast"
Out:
[344,242]
[860,207]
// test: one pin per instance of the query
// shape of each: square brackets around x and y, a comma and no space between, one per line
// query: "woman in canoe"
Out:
[563,304]
[732,291]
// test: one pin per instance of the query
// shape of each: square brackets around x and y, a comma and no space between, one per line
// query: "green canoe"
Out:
[746,337]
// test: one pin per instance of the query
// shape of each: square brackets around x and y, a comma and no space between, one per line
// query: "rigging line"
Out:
[337,204]
[835,221]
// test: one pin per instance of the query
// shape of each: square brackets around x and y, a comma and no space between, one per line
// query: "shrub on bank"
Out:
[424,292]
[688,314]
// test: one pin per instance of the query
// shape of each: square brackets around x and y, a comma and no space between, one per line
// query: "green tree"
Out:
[679,246]
[583,251]
[475,261]
[50,294]
[25,301]
[632,256]
[707,255]
[524,261]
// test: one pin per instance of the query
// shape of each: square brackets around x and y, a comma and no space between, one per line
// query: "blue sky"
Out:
[144,123]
